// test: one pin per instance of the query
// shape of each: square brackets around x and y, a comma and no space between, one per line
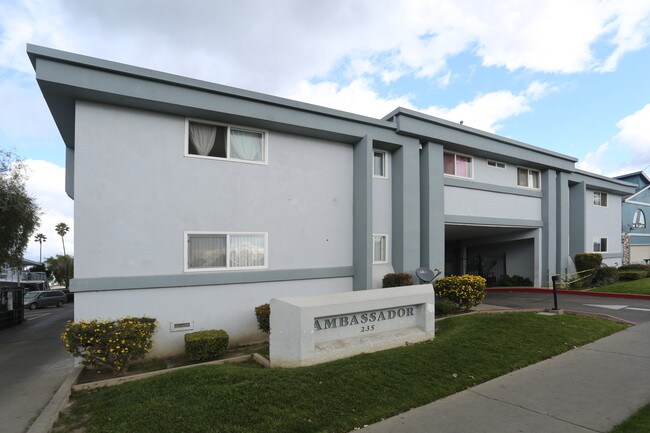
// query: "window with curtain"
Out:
[638,220]
[457,165]
[600,198]
[379,254]
[206,139]
[226,250]
[600,245]
[528,178]
[379,164]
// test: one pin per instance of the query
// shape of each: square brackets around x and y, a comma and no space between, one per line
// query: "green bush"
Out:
[263,314]
[606,275]
[397,279]
[636,267]
[110,343]
[586,261]
[206,345]
[464,291]
[631,275]
[515,281]
[444,307]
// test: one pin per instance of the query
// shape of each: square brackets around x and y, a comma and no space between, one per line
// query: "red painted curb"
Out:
[568,292]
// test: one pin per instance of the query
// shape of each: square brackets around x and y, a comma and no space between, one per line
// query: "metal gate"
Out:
[489,267]
[12,310]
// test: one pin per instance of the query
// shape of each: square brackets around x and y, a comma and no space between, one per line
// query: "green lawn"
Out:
[337,396]
[637,423]
[639,287]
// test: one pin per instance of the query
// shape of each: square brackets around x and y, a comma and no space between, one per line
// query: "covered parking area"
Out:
[492,251]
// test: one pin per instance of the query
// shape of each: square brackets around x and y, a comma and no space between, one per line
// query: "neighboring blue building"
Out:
[635,214]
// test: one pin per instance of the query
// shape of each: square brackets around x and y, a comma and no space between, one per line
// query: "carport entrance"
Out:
[492,251]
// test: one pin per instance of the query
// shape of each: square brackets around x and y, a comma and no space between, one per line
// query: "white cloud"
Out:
[46,183]
[593,161]
[486,111]
[634,136]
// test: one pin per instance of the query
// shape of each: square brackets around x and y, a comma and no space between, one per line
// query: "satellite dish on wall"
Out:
[426,275]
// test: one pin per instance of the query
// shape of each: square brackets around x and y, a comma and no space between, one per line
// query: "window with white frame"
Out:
[213,140]
[379,164]
[638,220]
[220,250]
[496,164]
[600,245]
[528,178]
[457,165]
[600,198]
[379,248]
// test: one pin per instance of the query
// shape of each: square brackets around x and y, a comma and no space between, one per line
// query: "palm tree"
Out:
[40,238]
[61,230]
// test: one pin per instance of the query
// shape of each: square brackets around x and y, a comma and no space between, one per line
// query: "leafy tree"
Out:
[62,267]
[19,213]
[40,238]
[61,230]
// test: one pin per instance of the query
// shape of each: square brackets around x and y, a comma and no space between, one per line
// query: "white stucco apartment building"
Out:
[196,202]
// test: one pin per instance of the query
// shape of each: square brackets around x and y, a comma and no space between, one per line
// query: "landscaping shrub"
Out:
[444,307]
[263,314]
[397,279]
[636,267]
[605,276]
[110,343]
[206,345]
[586,261]
[631,275]
[464,291]
[515,281]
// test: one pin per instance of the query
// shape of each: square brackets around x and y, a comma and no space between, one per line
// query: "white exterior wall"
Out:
[136,194]
[493,175]
[382,220]
[471,202]
[604,222]
[228,307]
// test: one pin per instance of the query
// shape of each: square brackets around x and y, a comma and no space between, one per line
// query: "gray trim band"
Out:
[206,279]
[487,221]
[469,184]
[611,255]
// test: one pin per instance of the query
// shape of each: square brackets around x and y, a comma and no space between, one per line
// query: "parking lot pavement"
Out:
[633,310]
[33,364]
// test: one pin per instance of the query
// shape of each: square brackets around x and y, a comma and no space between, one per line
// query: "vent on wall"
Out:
[181,326]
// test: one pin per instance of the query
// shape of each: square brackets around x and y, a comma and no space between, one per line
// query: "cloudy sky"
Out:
[570,76]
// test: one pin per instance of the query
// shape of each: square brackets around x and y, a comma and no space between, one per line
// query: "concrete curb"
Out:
[46,419]
[568,292]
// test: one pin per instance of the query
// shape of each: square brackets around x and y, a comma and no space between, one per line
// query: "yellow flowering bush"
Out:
[463,290]
[110,343]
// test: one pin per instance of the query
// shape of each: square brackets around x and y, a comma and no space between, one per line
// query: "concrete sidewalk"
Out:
[589,389]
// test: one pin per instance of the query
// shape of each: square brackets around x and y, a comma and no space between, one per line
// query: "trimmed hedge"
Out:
[444,307]
[397,279]
[263,314]
[206,345]
[586,261]
[605,276]
[464,291]
[110,343]
[515,281]
[636,267]
[631,275]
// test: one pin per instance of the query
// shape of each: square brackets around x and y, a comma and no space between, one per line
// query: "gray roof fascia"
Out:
[602,183]
[477,142]
[65,77]
[636,173]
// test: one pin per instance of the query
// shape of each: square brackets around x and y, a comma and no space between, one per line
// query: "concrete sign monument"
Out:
[308,330]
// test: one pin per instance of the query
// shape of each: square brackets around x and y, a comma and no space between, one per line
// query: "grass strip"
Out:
[637,423]
[637,287]
[336,396]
